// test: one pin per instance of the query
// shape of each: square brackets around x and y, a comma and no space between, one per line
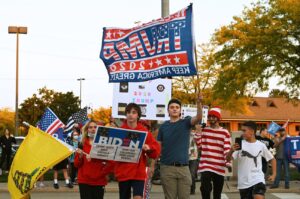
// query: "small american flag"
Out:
[50,122]
[79,117]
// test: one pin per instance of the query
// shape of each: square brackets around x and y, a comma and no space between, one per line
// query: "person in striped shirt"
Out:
[214,142]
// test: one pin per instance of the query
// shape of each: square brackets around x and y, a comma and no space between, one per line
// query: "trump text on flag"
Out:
[160,48]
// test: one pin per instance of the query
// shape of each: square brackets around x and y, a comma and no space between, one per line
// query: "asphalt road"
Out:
[75,195]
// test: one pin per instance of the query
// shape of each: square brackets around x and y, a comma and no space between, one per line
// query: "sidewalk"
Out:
[229,187]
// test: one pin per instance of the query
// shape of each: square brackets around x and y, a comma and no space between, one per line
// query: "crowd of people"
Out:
[186,148]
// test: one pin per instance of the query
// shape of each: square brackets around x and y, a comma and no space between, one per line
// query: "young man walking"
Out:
[251,180]
[174,137]
[214,142]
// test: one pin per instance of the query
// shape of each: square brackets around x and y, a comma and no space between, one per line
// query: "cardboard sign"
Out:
[152,96]
[118,144]
[191,110]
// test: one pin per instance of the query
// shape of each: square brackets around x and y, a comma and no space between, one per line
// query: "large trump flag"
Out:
[160,48]
[37,154]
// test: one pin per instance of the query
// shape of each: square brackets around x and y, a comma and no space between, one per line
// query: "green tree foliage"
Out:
[62,104]
[186,88]
[263,42]
[277,93]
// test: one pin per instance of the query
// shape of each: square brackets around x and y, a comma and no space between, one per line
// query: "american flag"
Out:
[80,118]
[50,122]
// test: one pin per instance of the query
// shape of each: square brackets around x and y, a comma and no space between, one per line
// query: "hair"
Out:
[261,130]
[85,130]
[134,106]
[176,101]
[281,130]
[250,124]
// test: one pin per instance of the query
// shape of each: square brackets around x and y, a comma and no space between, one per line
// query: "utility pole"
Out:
[17,30]
[80,80]
[165,8]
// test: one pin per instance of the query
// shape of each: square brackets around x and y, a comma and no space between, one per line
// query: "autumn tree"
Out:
[186,88]
[102,114]
[261,43]
[7,118]
[62,104]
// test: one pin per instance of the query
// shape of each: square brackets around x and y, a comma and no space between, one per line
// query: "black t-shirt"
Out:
[269,143]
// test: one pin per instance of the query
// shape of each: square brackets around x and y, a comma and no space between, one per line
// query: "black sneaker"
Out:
[287,186]
[274,187]
[69,185]
[56,186]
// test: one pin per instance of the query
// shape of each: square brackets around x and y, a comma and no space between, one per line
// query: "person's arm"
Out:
[235,147]
[273,176]
[278,141]
[196,119]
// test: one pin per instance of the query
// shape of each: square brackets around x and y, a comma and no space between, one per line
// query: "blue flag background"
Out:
[160,48]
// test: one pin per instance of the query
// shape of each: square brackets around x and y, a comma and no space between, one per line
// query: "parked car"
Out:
[19,140]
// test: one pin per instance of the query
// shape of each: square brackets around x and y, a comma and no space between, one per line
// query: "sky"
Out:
[64,40]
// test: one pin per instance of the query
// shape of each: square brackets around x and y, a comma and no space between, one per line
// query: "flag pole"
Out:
[197,70]
[26,124]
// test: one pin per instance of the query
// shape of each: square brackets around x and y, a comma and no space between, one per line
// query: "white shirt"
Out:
[250,164]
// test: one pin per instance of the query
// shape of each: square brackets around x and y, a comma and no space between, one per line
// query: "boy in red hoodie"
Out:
[133,175]
[92,173]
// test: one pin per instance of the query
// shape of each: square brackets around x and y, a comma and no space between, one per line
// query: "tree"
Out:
[263,42]
[278,93]
[62,104]
[186,88]
[7,118]
[101,114]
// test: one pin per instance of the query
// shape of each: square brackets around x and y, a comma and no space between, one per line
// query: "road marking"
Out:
[223,196]
[287,195]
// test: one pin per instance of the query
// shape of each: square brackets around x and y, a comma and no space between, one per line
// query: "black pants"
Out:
[207,178]
[73,172]
[193,165]
[5,156]
[91,192]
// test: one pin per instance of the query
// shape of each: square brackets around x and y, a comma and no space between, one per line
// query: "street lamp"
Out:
[80,80]
[17,30]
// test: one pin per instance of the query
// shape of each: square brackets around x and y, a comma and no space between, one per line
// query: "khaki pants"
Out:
[176,181]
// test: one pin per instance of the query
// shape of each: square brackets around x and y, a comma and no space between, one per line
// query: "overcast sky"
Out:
[64,40]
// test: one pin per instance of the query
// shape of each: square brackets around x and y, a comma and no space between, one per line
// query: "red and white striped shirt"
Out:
[214,145]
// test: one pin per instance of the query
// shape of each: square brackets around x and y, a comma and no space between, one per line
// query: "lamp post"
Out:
[17,30]
[164,8]
[80,80]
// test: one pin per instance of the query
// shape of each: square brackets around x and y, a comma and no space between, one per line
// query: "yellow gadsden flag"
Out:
[37,154]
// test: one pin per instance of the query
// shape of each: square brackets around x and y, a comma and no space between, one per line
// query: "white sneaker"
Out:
[41,185]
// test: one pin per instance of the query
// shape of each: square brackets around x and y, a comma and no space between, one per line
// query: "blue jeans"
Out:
[279,163]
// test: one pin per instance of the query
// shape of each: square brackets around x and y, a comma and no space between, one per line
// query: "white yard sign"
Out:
[152,96]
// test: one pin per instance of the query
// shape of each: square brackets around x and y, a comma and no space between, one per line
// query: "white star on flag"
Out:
[177,60]
[168,60]
[158,62]
[108,34]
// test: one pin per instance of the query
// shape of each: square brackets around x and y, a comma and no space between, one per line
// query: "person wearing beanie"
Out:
[214,142]
[174,137]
